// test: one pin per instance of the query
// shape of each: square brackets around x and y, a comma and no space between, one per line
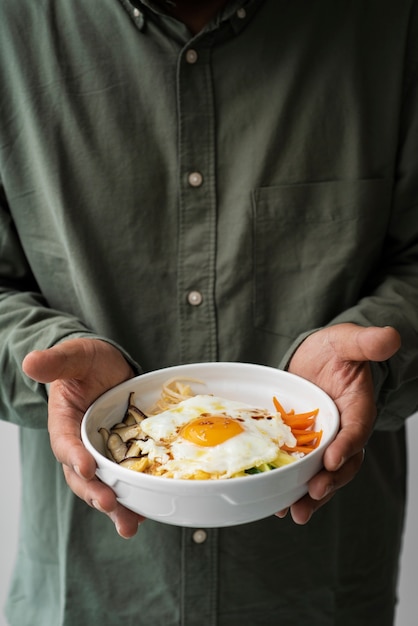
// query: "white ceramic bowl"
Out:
[212,503]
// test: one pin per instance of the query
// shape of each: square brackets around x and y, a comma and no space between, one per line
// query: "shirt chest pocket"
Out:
[316,247]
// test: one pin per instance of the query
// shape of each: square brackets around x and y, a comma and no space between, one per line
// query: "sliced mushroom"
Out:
[117,447]
[105,436]
[135,448]
[136,413]
[122,424]
[138,464]
[128,420]
[128,432]
[125,438]
[133,414]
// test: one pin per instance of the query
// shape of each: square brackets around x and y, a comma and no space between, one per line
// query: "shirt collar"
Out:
[237,12]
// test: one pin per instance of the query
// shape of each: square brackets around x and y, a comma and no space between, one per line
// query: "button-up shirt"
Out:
[203,198]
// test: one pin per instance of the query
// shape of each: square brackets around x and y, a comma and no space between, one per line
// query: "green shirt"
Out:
[206,198]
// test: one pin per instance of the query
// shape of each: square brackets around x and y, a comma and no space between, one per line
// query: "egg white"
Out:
[259,442]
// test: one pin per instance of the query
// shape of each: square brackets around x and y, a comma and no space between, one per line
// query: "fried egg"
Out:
[210,437]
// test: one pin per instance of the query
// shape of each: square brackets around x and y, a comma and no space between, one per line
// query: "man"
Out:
[232,181]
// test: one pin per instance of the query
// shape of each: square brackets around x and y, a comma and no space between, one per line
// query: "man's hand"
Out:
[80,370]
[337,360]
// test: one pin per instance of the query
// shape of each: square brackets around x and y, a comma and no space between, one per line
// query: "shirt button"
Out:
[200,536]
[242,13]
[195,298]
[137,13]
[191,56]
[195,179]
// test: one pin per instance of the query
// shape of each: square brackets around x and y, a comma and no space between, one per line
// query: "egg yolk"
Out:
[211,430]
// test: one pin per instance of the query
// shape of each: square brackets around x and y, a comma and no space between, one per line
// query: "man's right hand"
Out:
[78,372]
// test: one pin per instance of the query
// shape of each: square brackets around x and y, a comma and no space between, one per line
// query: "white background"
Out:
[9,519]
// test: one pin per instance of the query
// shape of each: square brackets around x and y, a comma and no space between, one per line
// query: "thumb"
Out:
[64,361]
[358,343]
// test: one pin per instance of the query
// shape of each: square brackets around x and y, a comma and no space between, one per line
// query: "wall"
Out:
[9,493]
[9,498]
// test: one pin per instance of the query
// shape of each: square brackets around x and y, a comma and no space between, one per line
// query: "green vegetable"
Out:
[264,467]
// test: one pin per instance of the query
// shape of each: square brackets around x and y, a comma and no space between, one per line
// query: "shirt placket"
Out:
[197,203]
[196,282]
[199,581]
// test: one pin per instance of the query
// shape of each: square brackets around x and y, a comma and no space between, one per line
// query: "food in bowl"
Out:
[212,503]
[203,436]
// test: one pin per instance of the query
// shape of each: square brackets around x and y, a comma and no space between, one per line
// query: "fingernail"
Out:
[341,463]
[328,489]
[116,522]
[120,534]
[97,506]
[78,472]
[119,531]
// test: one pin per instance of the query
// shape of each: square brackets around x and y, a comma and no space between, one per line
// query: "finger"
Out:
[64,431]
[357,418]
[91,491]
[349,442]
[302,510]
[326,483]
[71,453]
[97,495]
[322,488]
[64,361]
[359,343]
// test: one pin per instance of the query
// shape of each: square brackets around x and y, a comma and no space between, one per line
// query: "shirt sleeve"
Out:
[27,323]
[393,297]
